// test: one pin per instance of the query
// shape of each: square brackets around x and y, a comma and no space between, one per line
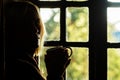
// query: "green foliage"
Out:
[52,26]
[77,30]
[77,23]
[78,69]
[110,30]
[113,64]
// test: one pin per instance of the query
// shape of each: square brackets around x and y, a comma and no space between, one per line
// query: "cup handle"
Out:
[71,52]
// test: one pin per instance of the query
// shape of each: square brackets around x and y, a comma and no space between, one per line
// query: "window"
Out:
[85,25]
[113,58]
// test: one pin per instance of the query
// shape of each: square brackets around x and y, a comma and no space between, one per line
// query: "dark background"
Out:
[1,42]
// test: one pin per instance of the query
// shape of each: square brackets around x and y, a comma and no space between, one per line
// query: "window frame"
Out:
[97,43]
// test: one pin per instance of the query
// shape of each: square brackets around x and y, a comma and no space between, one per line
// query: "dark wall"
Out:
[1,42]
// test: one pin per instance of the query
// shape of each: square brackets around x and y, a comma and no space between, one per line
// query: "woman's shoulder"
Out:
[30,68]
[23,69]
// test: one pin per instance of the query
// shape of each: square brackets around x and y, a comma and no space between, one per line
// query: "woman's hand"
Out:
[56,65]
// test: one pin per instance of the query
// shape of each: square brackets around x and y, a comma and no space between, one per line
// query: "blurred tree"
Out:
[77,23]
[113,64]
[77,30]
[113,55]
[53,26]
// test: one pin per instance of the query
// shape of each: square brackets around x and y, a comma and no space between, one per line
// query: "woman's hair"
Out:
[24,29]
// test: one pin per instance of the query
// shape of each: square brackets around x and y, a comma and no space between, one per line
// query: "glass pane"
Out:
[113,28]
[77,24]
[77,0]
[51,19]
[113,64]
[78,68]
[114,0]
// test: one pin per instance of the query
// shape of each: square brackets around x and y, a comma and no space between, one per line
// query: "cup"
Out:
[59,53]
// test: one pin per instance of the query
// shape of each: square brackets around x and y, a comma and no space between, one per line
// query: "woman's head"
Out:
[23,27]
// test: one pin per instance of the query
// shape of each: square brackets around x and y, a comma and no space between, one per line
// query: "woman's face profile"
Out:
[23,26]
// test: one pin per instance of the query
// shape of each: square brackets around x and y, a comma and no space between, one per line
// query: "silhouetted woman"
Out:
[24,36]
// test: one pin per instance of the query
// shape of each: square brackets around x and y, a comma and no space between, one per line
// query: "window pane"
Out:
[78,68]
[51,19]
[77,24]
[114,0]
[113,21]
[113,64]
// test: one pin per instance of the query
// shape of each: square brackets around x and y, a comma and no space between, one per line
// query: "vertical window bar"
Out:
[98,39]
[63,25]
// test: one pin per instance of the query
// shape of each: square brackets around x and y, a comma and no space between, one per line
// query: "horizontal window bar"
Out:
[61,4]
[72,44]
[115,4]
[113,45]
